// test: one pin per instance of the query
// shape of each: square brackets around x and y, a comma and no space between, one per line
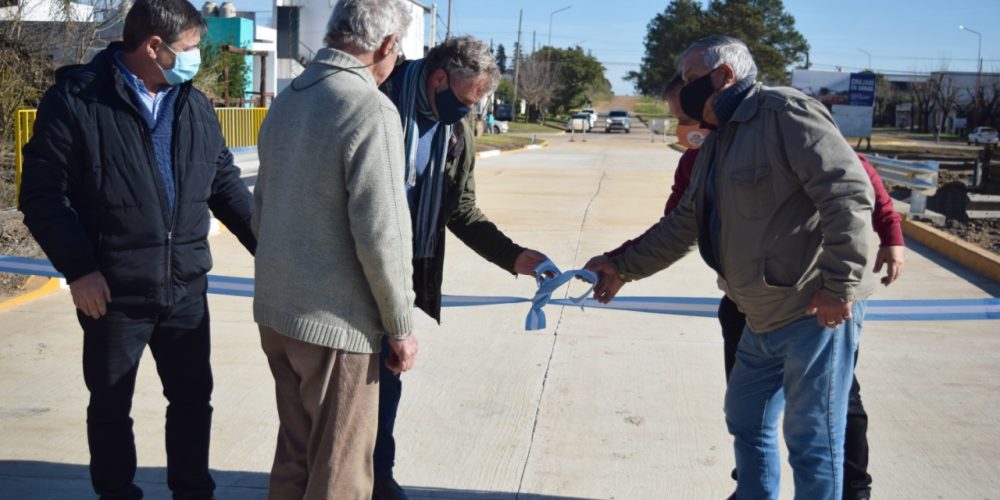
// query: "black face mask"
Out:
[694,95]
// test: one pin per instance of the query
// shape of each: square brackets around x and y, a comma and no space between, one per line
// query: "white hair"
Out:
[365,24]
[717,50]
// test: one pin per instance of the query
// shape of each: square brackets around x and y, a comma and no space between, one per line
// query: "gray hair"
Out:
[719,50]
[465,58]
[365,24]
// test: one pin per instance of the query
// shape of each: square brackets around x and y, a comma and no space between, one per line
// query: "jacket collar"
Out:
[748,108]
[90,81]
[342,60]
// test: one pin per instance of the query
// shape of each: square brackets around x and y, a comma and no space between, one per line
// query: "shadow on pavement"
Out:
[33,480]
[985,284]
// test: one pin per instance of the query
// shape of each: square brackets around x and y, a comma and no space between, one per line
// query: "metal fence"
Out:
[240,127]
[920,177]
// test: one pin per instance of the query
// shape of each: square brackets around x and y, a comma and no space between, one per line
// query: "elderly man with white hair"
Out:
[780,207]
[333,267]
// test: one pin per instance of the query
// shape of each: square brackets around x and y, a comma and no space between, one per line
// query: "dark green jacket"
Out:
[463,218]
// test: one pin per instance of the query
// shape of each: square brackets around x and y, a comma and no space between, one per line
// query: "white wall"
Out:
[315,14]
[266,40]
[47,10]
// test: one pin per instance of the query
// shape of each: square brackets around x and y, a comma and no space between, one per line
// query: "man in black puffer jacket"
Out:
[125,162]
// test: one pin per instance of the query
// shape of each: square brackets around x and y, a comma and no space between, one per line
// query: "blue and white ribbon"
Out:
[705,307]
[547,285]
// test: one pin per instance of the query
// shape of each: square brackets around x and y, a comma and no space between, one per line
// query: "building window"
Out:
[8,3]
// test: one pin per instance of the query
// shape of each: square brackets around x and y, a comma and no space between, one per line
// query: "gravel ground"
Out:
[15,240]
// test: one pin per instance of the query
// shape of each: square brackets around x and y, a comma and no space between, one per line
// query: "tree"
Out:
[537,84]
[580,76]
[501,56]
[505,90]
[944,95]
[667,35]
[764,25]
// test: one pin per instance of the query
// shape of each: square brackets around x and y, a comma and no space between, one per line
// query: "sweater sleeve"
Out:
[884,218]
[51,174]
[379,216]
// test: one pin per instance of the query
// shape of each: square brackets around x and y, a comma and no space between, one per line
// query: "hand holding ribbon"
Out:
[549,279]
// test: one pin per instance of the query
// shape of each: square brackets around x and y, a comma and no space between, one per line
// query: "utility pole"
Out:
[447,35]
[533,33]
[517,58]
[434,23]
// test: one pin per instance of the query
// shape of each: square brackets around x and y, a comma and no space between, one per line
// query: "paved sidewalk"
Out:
[601,404]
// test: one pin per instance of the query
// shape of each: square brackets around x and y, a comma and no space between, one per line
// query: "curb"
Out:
[492,153]
[50,286]
[955,249]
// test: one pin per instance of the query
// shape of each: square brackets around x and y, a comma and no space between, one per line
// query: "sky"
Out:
[901,35]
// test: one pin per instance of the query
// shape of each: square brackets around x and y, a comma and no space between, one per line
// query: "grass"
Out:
[528,128]
[651,107]
[905,144]
[501,142]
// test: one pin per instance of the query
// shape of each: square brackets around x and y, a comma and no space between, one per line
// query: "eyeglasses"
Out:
[400,56]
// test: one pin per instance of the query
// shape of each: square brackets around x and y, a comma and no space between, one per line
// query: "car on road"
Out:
[984,135]
[579,122]
[617,119]
[500,127]
[592,113]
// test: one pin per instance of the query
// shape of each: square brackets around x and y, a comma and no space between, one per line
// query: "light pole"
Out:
[869,54]
[979,70]
[979,49]
[550,21]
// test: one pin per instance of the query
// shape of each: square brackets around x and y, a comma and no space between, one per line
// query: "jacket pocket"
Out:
[750,192]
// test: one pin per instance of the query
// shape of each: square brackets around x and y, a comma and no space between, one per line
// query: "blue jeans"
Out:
[390,389]
[805,370]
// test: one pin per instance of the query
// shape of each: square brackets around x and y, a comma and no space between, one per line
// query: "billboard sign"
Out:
[862,90]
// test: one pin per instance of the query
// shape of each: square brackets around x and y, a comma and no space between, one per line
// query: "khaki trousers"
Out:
[328,411]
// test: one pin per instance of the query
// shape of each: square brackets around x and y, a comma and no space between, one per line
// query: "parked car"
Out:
[500,127]
[593,115]
[984,135]
[578,122]
[618,119]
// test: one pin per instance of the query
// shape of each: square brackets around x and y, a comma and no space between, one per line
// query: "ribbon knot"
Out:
[547,285]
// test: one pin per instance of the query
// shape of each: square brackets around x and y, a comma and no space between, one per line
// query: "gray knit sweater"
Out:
[333,263]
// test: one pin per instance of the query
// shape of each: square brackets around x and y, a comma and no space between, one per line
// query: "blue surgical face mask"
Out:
[185,66]
[449,107]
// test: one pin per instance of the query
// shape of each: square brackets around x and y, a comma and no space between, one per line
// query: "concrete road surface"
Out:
[601,404]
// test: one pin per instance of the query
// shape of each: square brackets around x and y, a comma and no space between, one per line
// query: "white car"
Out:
[578,122]
[500,127]
[984,135]
[593,115]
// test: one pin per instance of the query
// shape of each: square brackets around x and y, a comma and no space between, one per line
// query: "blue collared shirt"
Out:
[151,103]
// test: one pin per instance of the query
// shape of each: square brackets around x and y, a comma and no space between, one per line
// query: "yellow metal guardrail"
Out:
[24,123]
[240,127]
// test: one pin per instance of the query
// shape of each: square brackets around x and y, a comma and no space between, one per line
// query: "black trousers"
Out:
[178,338]
[390,390]
[857,481]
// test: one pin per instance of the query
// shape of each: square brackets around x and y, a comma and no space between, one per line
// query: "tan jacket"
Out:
[795,205]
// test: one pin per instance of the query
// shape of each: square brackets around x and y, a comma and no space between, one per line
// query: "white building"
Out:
[301,26]
[48,11]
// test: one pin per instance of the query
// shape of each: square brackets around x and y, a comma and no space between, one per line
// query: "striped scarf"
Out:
[413,100]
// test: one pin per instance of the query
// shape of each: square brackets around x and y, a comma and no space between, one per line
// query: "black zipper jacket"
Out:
[93,198]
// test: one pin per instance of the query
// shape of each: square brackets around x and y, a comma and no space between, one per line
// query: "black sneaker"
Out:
[386,488]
